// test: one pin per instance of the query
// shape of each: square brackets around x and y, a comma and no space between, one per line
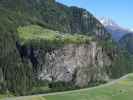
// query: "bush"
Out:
[60,86]
[2,88]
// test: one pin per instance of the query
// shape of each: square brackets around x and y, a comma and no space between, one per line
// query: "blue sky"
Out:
[121,11]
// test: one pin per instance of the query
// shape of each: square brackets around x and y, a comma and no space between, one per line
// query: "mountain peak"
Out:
[106,21]
[114,28]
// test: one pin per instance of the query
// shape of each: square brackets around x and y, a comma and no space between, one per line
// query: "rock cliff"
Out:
[73,58]
[86,61]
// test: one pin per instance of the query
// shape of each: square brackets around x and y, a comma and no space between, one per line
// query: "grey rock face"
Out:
[1,75]
[1,78]
[82,64]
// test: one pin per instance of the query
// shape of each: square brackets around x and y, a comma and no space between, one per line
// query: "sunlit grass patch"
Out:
[37,33]
[32,98]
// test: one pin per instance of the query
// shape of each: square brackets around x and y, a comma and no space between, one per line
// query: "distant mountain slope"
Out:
[116,30]
[127,42]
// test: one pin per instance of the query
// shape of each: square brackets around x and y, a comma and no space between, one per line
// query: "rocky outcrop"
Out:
[1,78]
[1,75]
[82,64]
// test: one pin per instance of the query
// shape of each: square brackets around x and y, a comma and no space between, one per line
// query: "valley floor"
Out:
[120,89]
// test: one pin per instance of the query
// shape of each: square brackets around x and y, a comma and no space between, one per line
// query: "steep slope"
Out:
[14,72]
[53,15]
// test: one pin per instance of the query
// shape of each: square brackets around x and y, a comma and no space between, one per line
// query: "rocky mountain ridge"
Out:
[116,30]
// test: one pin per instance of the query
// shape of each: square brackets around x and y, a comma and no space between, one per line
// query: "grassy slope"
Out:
[121,90]
[37,33]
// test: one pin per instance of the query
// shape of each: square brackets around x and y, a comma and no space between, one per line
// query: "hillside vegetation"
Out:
[127,42]
[36,33]
[117,90]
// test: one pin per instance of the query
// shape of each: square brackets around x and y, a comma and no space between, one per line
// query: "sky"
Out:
[121,11]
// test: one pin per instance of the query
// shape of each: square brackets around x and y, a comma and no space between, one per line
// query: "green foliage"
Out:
[39,90]
[15,73]
[60,86]
[122,61]
[37,33]
[127,42]
[122,64]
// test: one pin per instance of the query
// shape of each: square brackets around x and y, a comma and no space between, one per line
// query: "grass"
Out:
[121,90]
[2,96]
[5,95]
[34,98]
[37,33]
